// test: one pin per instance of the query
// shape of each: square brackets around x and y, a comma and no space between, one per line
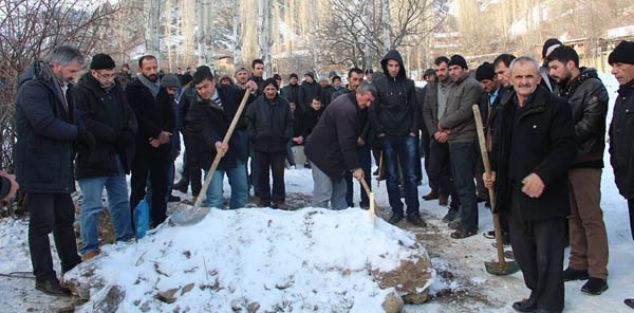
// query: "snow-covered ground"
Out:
[461,284]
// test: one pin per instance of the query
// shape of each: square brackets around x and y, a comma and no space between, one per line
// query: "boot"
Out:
[432,195]
[396,217]
[182,185]
[629,302]
[450,216]
[443,200]
[416,220]
[52,287]
[526,305]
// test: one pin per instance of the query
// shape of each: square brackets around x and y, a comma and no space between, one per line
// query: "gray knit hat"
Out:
[170,80]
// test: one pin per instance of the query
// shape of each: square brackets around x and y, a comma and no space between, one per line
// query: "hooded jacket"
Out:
[621,144]
[45,131]
[106,114]
[588,100]
[394,113]
[458,116]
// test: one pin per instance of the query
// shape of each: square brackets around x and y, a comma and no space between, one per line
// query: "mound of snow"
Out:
[249,259]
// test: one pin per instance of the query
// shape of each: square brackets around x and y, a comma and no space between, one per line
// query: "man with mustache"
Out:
[153,107]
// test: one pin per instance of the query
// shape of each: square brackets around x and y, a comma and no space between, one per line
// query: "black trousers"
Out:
[192,165]
[538,247]
[51,212]
[440,171]
[275,162]
[630,204]
[156,166]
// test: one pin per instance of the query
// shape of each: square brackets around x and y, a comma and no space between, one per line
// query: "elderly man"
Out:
[338,129]
[48,124]
[622,127]
[533,147]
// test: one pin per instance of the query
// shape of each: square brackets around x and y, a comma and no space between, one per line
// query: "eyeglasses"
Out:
[105,76]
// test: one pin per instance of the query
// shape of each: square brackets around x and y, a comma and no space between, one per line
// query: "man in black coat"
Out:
[533,147]
[308,90]
[332,147]
[588,100]
[395,122]
[622,127]
[105,111]
[48,125]
[270,128]
[153,108]
[206,119]
[291,91]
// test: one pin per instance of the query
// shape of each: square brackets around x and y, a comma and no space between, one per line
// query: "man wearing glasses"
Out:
[105,111]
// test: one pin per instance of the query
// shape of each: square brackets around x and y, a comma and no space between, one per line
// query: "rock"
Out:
[253,307]
[393,303]
[187,288]
[409,279]
[167,296]
[108,299]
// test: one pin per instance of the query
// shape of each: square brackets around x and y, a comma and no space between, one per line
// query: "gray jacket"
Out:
[459,115]
[430,107]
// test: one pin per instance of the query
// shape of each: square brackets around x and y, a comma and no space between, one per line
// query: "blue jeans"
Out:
[239,187]
[119,207]
[463,157]
[403,148]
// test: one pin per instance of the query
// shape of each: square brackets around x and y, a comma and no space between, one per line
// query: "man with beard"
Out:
[395,121]
[457,122]
[124,77]
[588,101]
[153,108]
[241,77]
[436,95]
[291,91]
[47,125]
[533,147]
[622,127]
[106,113]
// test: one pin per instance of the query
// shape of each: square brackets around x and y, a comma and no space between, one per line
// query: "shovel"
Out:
[196,213]
[373,205]
[501,267]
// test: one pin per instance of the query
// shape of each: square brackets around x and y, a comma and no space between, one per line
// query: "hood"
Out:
[393,55]
[38,70]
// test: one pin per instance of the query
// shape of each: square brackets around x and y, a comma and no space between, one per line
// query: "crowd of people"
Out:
[545,125]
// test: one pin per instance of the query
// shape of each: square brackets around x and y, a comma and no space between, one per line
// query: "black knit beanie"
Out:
[102,61]
[623,53]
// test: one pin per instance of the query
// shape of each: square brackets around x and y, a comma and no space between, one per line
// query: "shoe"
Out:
[455,224]
[443,200]
[52,287]
[280,206]
[480,200]
[396,217]
[450,216]
[307,165]
[595,286]
[173,198]
[416,220]
[629,302]
[89,255]
[462,233]
[573,274]
[526,305]
[489,235]
[432,195]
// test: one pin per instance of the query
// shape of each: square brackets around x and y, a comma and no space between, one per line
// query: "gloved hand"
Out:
[124,139]
[85,138]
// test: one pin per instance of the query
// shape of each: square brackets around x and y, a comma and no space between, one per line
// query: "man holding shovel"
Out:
[533,147]
[332,146]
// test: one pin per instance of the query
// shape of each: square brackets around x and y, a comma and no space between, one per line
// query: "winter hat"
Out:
[102,61]
[311,74]
[485,71]
[170,81]
[457,59]
[293,75]
[550,45]
[623,53]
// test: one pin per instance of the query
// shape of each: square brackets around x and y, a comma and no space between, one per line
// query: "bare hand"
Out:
[412,135]
[222,148]
[489,181]
[360,142]
[251,86]
[358,174]
[441,136]
[298,140]
[155,143]
[533,186]
[381,135]
[14,185]
[164,137]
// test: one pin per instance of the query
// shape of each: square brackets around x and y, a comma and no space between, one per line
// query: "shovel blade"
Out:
[189,215]
[501,269]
